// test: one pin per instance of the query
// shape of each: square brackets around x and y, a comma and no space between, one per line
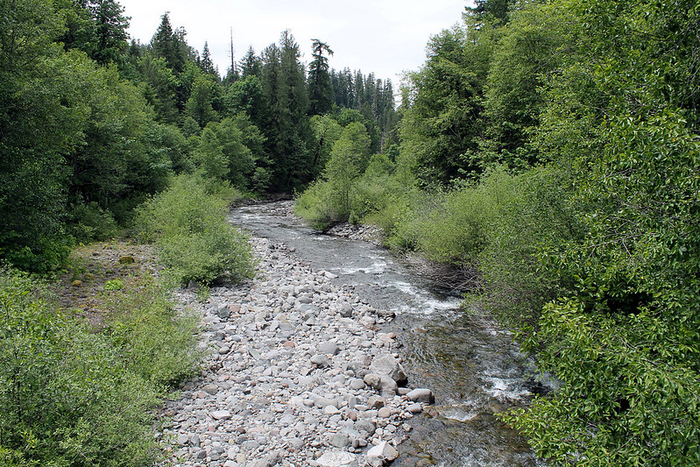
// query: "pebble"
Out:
[298,375]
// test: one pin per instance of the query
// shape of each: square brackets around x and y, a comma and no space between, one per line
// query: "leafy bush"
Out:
[189,227]
[534,216]
[155,341]
[70,396]
[91,222]
[318,206]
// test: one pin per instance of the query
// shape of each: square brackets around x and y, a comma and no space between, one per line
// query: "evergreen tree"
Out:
[159,87]
[251,64]
[206,64]
[171,45]
[443,125]
[111,30]
[288,132]
[320,88]
[199,106]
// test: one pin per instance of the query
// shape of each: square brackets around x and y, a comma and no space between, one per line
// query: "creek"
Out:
[470,363]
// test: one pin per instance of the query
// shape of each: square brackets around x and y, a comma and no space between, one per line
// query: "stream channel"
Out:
[471,365]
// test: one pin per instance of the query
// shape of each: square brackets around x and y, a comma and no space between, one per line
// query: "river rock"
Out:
[375,402]
[373,381]
[320,361]
[294,375]
[388,365]
[330,348]
[388,386]
[221,415]
[421,395]
[337,459]
[381,454]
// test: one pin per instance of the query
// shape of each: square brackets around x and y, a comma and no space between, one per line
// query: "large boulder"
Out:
[389,366]
[381,454]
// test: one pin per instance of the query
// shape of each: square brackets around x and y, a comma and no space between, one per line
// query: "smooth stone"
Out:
[330,348]
[211,389]
[373,381]
[322,402]
[346,310]
[357,384]
[414,408]
[340,440]
[365,425]
[388,386]
[221,415]
[320,361]
[384,412]
[336,459]
[421,395]
[388,365]
[376,402]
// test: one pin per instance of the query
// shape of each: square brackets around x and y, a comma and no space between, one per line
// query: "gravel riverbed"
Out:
[299,374]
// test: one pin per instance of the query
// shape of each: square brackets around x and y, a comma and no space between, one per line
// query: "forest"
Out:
[547,153]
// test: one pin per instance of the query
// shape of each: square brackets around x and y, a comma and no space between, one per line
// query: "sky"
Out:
[386,37]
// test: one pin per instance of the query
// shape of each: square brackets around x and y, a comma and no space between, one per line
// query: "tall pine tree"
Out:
[320,89]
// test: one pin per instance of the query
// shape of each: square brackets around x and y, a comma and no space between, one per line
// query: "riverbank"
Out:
[300,374]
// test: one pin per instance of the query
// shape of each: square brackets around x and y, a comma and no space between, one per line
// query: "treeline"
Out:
[92,125]
[549,150]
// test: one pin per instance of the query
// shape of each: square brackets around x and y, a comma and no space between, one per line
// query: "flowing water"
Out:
[469,363]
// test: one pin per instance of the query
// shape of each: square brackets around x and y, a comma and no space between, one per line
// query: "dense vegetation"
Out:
[73,394]
[549,150]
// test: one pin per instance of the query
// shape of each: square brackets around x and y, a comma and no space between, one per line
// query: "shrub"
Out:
[319,206]
[189,226]
[534,215]
[155,341]
[71,396]
[90,222]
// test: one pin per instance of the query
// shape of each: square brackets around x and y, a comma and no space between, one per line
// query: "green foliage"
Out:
[155,342]
[534,215]
[326,131]
[158,85]
[442,122]
[91,222]
[115,284]
[199,106]
[623,337]
[528,50]
[230,150]
[70,396]
[589,248]
[320,90]
[331,200]
[190,229]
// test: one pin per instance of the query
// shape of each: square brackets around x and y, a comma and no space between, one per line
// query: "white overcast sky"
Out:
[386,37]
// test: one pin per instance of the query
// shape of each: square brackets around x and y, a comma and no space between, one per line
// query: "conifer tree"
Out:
[320,89]
[251,64]
[206,64]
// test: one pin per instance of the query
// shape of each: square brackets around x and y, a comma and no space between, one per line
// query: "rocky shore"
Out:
[299,374]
